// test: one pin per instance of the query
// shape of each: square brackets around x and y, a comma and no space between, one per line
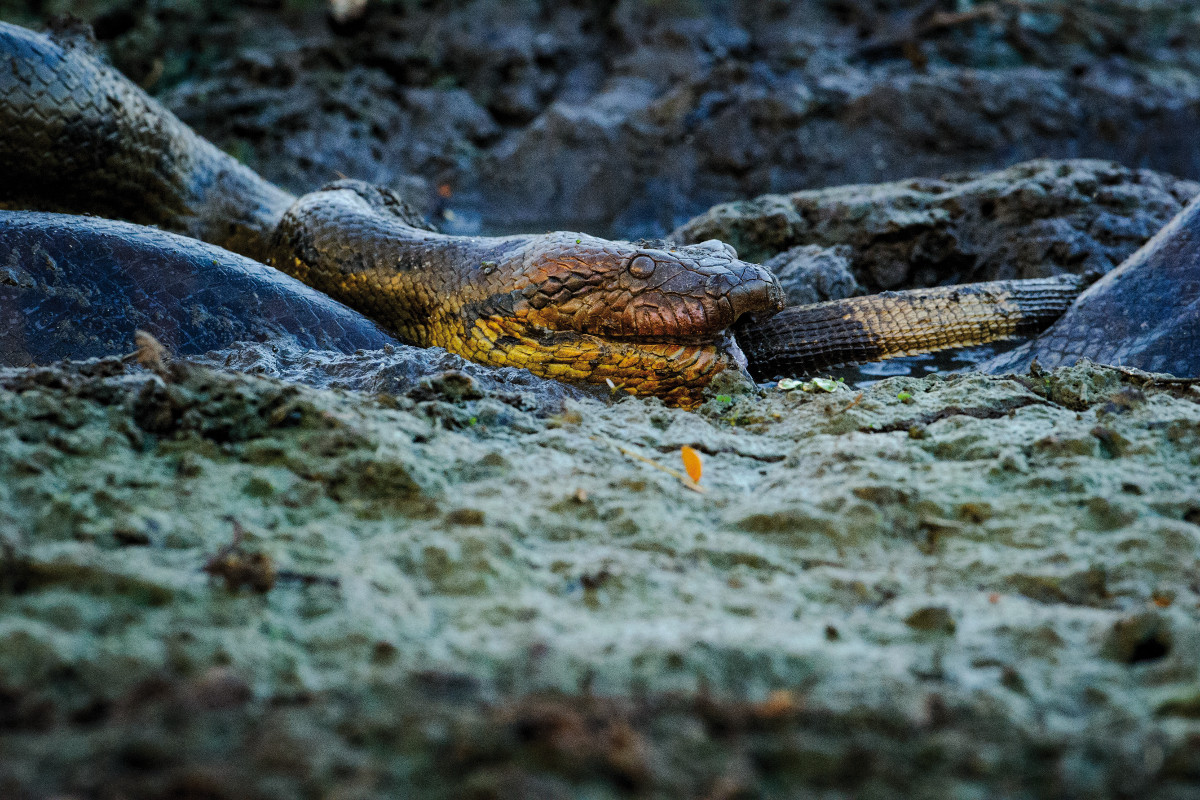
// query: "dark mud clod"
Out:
[241,569]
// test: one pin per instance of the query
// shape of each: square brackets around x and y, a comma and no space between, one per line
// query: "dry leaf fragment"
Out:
[691,462]
[344,11]
[150,352]
[631,453]
[779,703]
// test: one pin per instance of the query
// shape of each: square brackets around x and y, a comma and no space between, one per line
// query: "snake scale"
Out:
[650,318]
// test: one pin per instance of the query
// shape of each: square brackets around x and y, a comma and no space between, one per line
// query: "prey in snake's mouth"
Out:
[646,317]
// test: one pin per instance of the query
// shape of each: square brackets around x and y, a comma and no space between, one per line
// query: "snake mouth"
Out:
[676,371]
[690,308]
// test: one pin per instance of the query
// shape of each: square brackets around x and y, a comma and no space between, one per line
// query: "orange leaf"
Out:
[779,703]
[691,462]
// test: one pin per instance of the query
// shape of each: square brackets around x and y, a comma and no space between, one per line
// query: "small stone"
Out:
[935,619]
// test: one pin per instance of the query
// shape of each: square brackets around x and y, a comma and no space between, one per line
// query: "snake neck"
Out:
[366,247]
[102,145]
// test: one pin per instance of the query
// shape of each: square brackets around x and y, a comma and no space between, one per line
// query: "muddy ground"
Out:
[227,586]
[274,573]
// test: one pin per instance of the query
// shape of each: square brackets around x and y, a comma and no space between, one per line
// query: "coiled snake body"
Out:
[80,138]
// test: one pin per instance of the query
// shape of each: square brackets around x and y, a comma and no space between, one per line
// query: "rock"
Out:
[813,274]
[322,124]
[1144,314]
[1138,639]
[398,370]
[1033,220]
[933,619]
[734,99]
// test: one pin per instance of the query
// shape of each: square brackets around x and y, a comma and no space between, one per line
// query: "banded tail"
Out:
[880,326]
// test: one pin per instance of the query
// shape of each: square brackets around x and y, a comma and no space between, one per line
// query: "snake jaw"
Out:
[650,320]
[644,320]
[675,372]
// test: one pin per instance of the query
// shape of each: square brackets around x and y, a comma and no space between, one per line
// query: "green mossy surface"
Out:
[997,576]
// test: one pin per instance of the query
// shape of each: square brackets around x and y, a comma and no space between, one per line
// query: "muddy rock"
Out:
[396,370]
[409,138]
[1033,220]
[812,274]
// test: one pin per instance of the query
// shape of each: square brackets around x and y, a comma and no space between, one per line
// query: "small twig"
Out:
[1150,379]
[943,20]
[929,21]
[255,570]
[853,403]
[239,533]
[631,453]
[308,578]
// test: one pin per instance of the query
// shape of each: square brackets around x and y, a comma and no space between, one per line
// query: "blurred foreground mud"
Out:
[230,586]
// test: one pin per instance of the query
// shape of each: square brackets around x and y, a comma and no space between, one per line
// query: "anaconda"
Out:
[1145,313]
[81,287]
[650,318]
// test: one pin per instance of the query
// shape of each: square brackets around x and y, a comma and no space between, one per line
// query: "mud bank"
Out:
[967,587]
[396,574]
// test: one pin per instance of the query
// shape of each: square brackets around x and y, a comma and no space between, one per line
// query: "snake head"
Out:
[644,318]
[624,290]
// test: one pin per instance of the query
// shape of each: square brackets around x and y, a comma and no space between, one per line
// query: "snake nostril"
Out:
[641,267]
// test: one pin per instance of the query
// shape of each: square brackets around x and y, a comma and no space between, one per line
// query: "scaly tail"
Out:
[875,327]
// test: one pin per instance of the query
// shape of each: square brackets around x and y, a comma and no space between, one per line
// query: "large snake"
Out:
[1143,314]
[649,318]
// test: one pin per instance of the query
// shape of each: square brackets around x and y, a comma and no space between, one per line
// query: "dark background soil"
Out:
[627,118]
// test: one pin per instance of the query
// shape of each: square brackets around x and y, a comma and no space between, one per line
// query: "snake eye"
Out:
[641,267]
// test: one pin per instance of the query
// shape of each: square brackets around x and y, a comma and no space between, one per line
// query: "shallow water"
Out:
[959,359]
